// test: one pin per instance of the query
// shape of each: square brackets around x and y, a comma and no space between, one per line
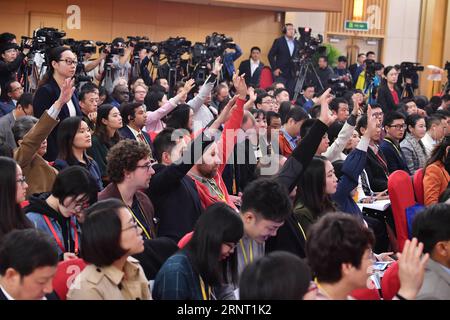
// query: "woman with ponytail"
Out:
[62,63]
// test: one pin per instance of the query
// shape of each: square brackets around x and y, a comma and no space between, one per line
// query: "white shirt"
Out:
[253,66]
[291,45]
[428,143]
[72,110]
[6,294]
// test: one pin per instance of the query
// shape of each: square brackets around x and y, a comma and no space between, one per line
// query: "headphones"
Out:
[284,29]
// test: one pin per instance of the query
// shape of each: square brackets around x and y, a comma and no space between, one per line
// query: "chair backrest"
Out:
[183,241]
[418,186]
[401,194]
[66,272]
[266,78]
[390,283]
[366,294]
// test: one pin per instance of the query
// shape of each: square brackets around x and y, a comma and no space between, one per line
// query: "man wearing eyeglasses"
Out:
[394,125]
[23,108]
[130,170]
[9,98]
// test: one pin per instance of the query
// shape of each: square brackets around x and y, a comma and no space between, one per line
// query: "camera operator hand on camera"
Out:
[27,46]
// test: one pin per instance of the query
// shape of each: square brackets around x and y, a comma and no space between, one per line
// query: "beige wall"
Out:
[102,20]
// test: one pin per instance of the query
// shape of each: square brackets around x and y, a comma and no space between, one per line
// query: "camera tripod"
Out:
[28,75]
[302,74]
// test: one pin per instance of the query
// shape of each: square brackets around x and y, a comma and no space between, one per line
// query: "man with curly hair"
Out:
[130,170]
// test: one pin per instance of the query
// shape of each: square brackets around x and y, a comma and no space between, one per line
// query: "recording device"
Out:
[409,69]
[44,39]
[113,50]
[338,86]
[308,44]
[173,48]
[304,68]
[370,69]
[217,43]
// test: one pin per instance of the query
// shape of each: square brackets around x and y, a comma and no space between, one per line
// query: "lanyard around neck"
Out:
[58,240]
[147,234]
[202,288]
[244,252]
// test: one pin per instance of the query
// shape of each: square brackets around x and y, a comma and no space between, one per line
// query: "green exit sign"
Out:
[356,25]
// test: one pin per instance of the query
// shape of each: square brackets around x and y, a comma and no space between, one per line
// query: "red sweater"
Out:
[225,146]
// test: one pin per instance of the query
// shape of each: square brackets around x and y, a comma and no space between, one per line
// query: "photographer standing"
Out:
[62,64]
[229,57]
[145,56]
[388,94]
[280,57]
[10,58]
[121,62]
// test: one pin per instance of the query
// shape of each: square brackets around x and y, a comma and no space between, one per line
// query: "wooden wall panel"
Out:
[335,20]
[102,20]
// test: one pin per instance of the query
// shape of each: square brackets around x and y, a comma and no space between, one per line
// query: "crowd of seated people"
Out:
[217,190]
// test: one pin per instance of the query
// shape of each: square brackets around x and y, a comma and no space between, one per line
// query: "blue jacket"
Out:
[230,58]
[38,208]
[6,107]
[351,169]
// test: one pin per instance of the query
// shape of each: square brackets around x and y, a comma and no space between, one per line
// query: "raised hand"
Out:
[240,85]
[411,268]
[66,93]
[326,116]
[217,66]
[188,86]
[372,123]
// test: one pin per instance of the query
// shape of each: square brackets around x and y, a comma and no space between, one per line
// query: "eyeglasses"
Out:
[398,126]
[377,114]
[78,206]
[22,180]
[18,88]
[69,62]
[133,226]
[148,165]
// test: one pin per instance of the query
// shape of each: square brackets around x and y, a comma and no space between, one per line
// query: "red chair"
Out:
[66,273]
[418,186]
[366,294]
[184,241]
[390,283]
[266,78]
[401,194]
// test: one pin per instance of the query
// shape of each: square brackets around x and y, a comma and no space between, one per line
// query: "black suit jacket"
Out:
[253,80]
[376,172]
[395,160]
[126,133]
[44,98]
[385,99]
[280,57]
[50,296]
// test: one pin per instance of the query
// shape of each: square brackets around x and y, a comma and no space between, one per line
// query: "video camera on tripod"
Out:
[112,49]
[308,47]
[204,53]
[408,70]
[44,39]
